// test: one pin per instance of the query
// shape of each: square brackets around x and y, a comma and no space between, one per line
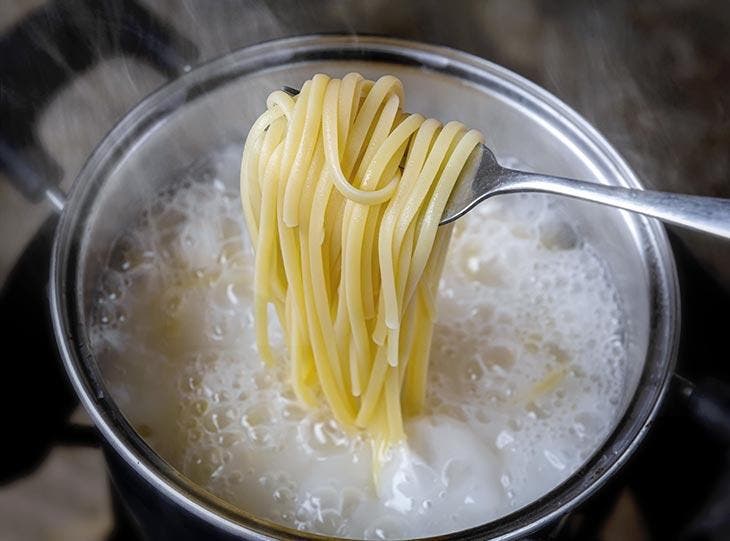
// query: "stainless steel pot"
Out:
[212,107]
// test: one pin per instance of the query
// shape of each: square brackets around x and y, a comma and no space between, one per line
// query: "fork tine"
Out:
[469,186]
[290,90]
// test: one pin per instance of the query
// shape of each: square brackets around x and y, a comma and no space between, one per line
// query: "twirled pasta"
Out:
[342,193]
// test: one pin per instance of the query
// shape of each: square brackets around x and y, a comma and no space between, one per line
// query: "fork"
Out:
[483,177]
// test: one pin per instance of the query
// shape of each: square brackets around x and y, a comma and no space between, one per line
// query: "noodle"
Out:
[342,193]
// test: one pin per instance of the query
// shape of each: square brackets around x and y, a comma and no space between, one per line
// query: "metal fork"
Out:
[483,177]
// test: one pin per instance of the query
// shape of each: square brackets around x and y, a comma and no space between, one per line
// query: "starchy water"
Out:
[527,370]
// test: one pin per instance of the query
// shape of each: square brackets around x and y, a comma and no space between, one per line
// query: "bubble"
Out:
[228,439]
[388,527]
[589,423]
[219,419]
[453,411]
[200,407]
[256,415]
[199,468]
[499,356]
[236,478]
[558,235]
[554,460]
[293,412]
[505,480]
[504,438]
[474,371]
[455,472]
[284,496]
[322,437]
[112,286]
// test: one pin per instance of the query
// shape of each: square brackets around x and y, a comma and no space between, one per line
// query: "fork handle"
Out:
[707,214]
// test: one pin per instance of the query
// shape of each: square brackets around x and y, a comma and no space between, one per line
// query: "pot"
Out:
[211,108]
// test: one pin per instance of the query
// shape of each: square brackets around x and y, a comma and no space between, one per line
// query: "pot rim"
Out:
[78,358]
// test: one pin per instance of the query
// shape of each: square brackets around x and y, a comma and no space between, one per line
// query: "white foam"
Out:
[527,370]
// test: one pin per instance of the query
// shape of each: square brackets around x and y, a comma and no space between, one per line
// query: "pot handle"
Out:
[50,47]
[708,401]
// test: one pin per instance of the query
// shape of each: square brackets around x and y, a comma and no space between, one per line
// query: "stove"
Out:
[71,68]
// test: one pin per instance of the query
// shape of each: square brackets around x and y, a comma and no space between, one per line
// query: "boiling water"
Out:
[527,369]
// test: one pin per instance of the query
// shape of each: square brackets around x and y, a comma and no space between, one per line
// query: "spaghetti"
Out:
[342,193]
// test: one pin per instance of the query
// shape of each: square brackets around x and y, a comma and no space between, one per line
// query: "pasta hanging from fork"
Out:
[342,193]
